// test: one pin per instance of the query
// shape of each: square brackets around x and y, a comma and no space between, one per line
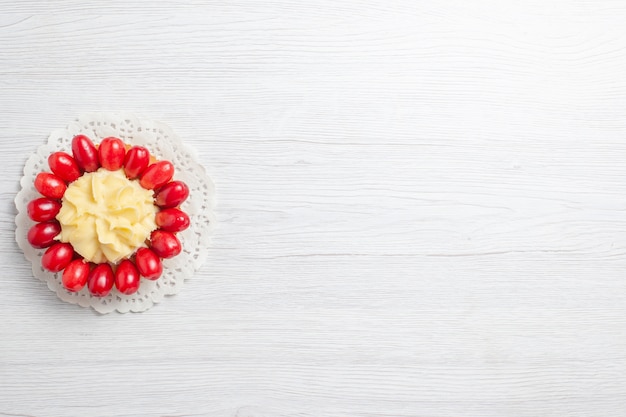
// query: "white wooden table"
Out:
[422,208]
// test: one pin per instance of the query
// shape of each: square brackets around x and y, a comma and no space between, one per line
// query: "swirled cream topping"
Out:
[105,216]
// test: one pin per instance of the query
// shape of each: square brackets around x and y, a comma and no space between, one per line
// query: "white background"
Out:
[421,204]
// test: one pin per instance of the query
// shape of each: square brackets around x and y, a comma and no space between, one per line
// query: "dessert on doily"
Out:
[106,217]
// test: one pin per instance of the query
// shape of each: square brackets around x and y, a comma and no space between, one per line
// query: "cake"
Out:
[108,214]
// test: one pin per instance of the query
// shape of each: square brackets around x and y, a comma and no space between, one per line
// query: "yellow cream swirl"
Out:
[105,216]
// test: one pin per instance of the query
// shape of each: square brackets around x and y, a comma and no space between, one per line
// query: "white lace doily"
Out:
[163,144]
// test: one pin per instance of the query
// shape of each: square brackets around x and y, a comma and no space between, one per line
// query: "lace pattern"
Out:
[164,144]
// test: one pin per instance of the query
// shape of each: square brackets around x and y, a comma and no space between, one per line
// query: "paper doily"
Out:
[163,144]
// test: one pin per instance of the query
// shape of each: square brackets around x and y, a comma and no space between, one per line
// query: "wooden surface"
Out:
[422,208]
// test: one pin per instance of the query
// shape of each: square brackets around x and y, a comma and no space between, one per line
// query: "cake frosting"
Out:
[106,217]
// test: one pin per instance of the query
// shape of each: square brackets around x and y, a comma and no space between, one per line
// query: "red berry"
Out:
[148,264]
[172,220]
[85,153]
[75,275]
[157,175]
[100,280]
[64,166]
[57,257]
[43,209]
[50,185]
[136,161]
[42,235]
[112,153]
[165,244]
[171,194]
[127,277]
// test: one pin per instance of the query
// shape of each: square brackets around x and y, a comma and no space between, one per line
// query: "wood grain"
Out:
[421,208]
